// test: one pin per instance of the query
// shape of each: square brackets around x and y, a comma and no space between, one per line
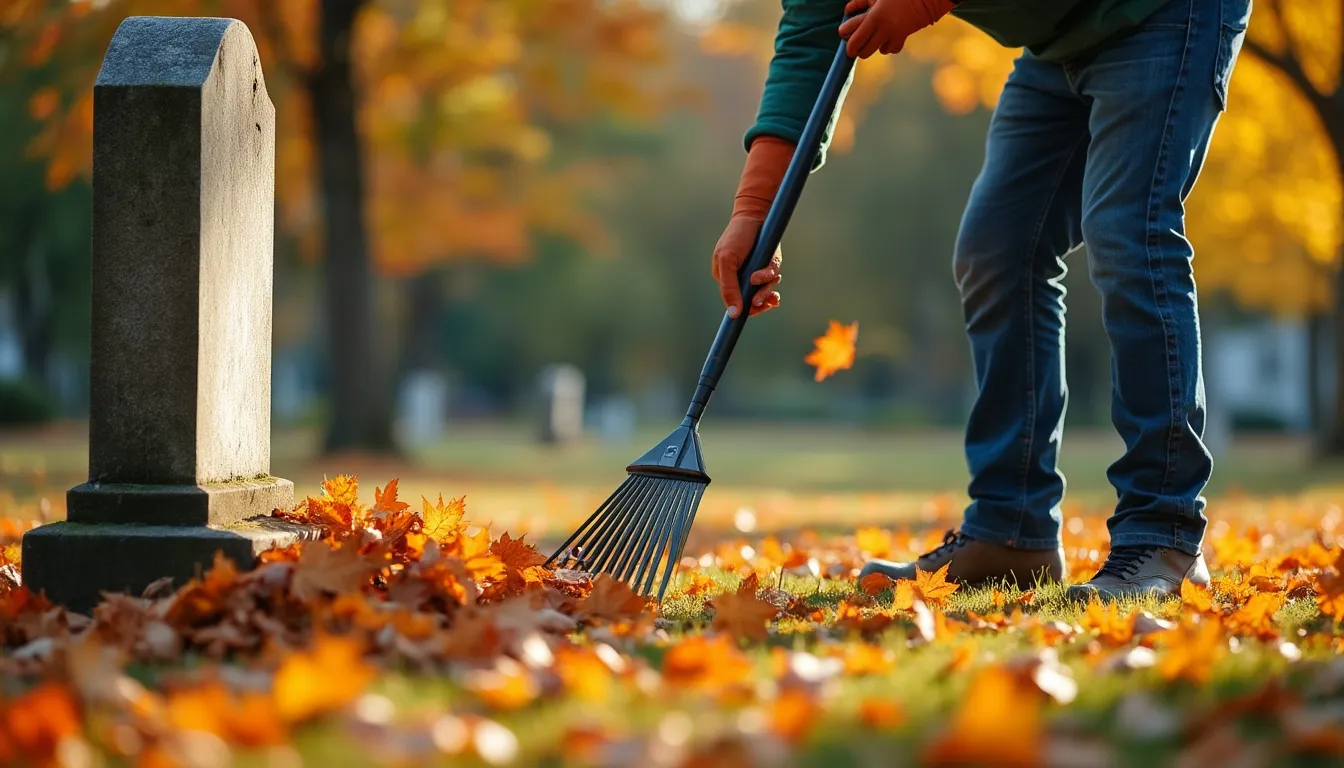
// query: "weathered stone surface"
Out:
[183,215]
[74,563]
[210,503]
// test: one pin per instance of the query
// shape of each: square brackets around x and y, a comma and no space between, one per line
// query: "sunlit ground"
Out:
[807,668]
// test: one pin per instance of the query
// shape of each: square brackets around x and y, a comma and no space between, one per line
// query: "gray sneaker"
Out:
[1140,571]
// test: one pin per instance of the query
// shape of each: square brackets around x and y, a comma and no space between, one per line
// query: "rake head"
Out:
[641,529]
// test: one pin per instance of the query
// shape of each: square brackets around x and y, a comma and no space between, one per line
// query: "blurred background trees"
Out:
[476,189]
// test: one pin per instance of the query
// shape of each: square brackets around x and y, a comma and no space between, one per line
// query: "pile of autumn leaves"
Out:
[244,660]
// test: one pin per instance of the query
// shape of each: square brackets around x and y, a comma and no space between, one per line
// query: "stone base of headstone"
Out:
[207,504]
[128,557]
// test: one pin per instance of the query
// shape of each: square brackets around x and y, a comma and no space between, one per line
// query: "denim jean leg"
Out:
[1023,216]
[1155,97]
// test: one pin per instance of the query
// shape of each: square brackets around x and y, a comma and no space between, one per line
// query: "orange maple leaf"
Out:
[881,714]
[323,569]
[249,719]
[1256,617]
[611,599]
[742,614]
[793,714]
[1196,597]
[516,553]
[874,583]
[442,521]
[1192,649]
[1105,620]
[35,724]
[998,723]
[934,588]
[1330,594]
[385,499]
[706,662]
[325,678]
[833,351]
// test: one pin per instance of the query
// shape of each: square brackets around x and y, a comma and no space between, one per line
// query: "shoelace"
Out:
[951,540]
[1123,562]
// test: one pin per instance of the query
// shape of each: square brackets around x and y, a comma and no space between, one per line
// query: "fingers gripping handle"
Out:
[772,230]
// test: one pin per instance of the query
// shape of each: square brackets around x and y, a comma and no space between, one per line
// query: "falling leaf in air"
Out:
[833,351]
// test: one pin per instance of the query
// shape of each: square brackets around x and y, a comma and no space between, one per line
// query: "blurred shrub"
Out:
[24,403]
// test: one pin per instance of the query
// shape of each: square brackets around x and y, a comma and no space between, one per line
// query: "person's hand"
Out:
[730,253]
[887,23]
[766,163]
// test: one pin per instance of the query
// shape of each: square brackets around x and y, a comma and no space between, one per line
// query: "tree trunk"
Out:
[423,299]
[360,413]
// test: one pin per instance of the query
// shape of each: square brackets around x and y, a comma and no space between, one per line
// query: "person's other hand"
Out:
[766,163]
[887,23]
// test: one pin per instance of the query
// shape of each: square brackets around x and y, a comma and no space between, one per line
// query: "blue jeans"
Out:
[1101,152]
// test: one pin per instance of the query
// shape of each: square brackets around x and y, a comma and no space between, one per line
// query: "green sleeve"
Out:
[804,47]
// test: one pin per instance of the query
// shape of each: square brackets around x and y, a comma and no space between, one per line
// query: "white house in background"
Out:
[1260,370]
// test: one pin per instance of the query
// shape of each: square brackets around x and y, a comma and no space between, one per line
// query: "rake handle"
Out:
[772,230]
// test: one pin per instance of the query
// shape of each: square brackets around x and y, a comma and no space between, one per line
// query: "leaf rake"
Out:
[641,529]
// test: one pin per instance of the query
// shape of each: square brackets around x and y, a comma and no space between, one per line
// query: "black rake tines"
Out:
[638,532]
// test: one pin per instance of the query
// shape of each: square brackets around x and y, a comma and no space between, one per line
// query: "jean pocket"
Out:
[1231,35]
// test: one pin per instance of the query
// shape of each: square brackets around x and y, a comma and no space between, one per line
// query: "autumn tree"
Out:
[410,132]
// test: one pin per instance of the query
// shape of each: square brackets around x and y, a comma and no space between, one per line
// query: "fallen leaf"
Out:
[742,614]
[611,600]
[322,679]
[881,714]
[1191,650]
[933,588]
[442,521]
[324,569]
[875,583]
[998,723]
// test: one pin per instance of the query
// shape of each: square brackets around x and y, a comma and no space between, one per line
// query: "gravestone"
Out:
[423,407]
[561,404]
[183,220]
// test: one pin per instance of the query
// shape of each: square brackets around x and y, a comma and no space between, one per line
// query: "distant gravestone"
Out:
[183,216]
[424,407]
[562,388]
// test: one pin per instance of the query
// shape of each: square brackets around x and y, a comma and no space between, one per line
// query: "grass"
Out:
[780,480]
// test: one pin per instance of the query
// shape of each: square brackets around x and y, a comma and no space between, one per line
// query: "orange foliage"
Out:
[458,105]
[834,350]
